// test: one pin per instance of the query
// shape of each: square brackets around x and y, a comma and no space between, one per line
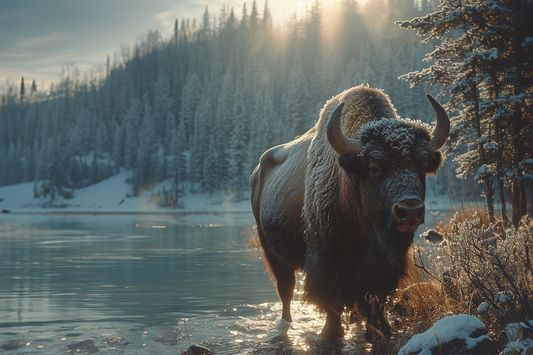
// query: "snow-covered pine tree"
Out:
[210,173]
[147,157]
[482,63]
[132,125]
[163,106]
[117,153]
[224,126]
[97,110]
[181,166]
[238,141]
[191,95]
[299,104]
[199,143]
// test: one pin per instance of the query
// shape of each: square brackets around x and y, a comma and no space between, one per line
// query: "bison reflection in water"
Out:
[343,207]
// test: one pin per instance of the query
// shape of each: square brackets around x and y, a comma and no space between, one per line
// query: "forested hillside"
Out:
[199,108]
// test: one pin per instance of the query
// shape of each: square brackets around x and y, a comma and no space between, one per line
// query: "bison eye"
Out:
[374,170]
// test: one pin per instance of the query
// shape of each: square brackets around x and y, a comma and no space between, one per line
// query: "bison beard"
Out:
[343,209]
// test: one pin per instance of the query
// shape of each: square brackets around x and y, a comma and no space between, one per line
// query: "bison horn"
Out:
[442,129]
[338,141]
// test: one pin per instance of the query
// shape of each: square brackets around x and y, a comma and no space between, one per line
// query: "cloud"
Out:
[185,10]
[17,55]
[167,19]
[29,42]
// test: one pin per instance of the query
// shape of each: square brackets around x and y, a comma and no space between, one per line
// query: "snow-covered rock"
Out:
[460,334]
[518,331]
[519,336]
[483,307]
[503,297]
[522,347]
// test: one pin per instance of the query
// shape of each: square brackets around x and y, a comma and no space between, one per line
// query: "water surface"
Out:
[68,278]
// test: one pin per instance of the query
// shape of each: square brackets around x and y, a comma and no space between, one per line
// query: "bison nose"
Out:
[409,214]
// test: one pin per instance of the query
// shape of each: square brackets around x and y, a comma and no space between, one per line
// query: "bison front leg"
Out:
[378,330]
[333,327]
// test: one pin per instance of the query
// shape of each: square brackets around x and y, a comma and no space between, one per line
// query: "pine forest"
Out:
[196,111]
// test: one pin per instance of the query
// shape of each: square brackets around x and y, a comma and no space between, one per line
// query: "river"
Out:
[117,279]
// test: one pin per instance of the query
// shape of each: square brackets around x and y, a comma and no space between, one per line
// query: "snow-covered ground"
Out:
[114,196]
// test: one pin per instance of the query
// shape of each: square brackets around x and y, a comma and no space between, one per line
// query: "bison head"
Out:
[383,174]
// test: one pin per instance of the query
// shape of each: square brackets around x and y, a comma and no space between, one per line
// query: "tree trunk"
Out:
[501,194]
[490,199]
[529,196]
[500,172]
[523,199]
[516,202]
[519,190]
[482,157]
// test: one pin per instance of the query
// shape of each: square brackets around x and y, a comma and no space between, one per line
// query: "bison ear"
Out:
[435,163]
[351,163]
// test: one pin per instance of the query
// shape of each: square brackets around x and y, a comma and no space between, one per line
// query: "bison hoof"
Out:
[332,332]
[286,316]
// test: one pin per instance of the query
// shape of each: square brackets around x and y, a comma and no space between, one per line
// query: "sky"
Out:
[38,36]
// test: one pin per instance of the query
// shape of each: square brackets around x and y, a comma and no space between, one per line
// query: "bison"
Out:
[343,207]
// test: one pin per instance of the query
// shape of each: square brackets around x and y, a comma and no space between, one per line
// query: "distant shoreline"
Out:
[44,211]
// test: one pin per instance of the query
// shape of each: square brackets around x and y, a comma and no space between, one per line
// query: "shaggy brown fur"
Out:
[331,216]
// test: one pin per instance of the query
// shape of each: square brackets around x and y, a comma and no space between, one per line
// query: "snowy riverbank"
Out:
[113,195]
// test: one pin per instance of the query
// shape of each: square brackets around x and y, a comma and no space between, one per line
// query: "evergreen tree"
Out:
[352,32]
[118,148]
[298,105]
[480,61]
[132,128]
[163,107]
[199,142]
[210,99]
[210,181]
[22,91]
[238,142]
[192,92]
[254,19]
[267,18]
[33,89]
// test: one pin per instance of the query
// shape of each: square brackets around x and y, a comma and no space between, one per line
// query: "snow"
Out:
[515,331]
[114,196]
[503,297]
[518,347]
[483,307]
[446,329]
[482,172]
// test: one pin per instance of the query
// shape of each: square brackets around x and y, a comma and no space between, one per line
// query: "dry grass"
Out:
[422,302]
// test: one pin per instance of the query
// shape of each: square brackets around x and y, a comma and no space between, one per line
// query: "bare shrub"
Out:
[479,269]
[467,212]
[482,264]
